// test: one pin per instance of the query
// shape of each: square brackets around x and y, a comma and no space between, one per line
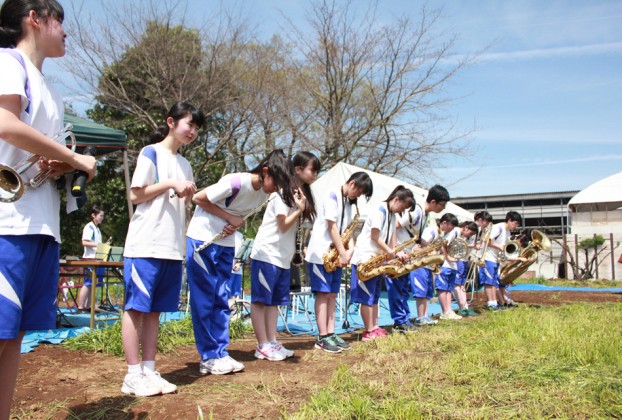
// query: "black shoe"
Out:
[83,310]
[404,328]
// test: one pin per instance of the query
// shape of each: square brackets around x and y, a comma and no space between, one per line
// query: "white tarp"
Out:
[383,185]
[606,190]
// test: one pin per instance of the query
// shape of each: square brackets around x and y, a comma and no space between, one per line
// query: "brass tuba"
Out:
[331,258]
[514,269]
[12,185]
[511,250]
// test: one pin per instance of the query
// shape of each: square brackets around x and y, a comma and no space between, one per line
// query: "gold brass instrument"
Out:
[375,266]
[511,250]
[331,258]
[458,248]
[514,269]
[12,185]
[482,259]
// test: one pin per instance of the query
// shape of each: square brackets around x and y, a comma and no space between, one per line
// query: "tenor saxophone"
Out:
[331,258]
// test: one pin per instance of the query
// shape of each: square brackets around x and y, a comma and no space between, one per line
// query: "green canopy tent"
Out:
[104,139]
[89,133]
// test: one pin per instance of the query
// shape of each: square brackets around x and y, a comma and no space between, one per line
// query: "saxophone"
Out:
[331,258]
[375,265]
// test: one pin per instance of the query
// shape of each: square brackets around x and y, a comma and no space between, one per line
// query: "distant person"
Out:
[338,208]
[91,237]
[162,186]
[31,114]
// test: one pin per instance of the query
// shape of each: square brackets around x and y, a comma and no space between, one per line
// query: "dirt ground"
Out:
[56,383]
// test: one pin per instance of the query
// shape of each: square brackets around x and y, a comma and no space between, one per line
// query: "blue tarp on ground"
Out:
[300,317]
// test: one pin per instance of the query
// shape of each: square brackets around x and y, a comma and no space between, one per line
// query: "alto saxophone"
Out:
[395,268]
[331,258]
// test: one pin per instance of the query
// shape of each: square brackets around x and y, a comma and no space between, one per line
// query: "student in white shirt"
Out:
[154,247]
[91,236]
[489,273]
[273,250]
[336,213]
[467,231]
[377,238]
[31,114]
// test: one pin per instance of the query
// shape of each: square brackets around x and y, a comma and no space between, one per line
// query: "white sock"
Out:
[134,368]
[149,365]
[492,303]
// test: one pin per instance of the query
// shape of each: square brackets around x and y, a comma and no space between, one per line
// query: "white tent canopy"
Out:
[383,185]
[606,190]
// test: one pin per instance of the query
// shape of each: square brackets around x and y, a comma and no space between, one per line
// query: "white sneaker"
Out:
[165,386]
[139,385]
[281,349]
[220,366]
[237,366]
[269,353]
[450,315]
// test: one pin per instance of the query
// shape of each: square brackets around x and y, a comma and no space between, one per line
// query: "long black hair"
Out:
[280,169]
[14,11]
[403,194]
[303,159]
[177,112]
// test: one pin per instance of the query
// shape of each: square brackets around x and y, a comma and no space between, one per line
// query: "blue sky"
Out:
[545,97]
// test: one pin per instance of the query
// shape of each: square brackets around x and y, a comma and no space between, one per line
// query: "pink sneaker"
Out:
[380,332]
[369,336]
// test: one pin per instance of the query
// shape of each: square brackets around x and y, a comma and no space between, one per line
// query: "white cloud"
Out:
[575,51]
[536,162]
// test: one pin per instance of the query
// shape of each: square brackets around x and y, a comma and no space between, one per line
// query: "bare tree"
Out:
[377,88]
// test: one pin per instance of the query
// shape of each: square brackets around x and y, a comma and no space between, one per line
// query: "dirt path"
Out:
[54,381]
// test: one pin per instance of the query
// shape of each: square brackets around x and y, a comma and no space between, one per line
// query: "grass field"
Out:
[563,361]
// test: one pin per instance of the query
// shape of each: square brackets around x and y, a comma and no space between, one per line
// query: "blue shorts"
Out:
[29,268]
[365,292]
[322,281]
[445,280]
[269,284]
[489,274]
[461,274]
[423,283]
[152,284]
[88,280]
